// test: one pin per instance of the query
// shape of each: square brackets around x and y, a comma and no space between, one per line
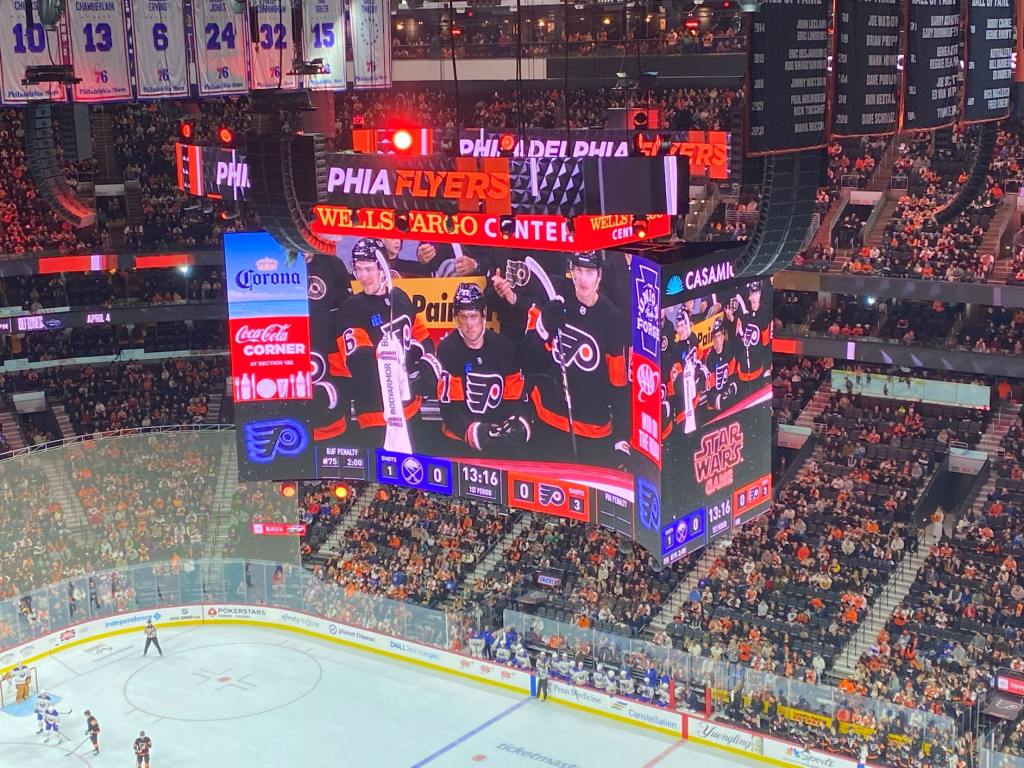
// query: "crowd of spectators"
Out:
[126,395]
[682,108]
[796,379]
[495,37]
[416,547]
[996,330]
[915,243]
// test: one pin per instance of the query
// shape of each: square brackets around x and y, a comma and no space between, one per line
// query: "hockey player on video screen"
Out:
[579,345]
[364,320]
[753,334]
[480,384]
[685,374]
[720,361]
[329,287]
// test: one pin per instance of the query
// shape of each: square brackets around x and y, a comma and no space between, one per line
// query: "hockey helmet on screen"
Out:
[370,249]
[754,286]
[718,327]
[468,296]
[591,259]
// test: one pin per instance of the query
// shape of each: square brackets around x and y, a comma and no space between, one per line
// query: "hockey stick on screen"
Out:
[538,271]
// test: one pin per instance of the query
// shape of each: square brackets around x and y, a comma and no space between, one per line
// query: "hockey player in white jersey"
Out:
[663,695]
[522,657]
[626,685]
[646,692]
[611,681]
[51,718]
[563,667]
[42,702]
[580,676]
[502,654]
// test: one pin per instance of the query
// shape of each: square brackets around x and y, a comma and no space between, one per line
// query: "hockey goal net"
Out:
[9,687]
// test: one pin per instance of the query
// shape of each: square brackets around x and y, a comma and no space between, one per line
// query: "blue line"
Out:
[469,734]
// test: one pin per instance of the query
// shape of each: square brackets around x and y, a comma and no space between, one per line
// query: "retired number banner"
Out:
[272,51]
[22,47]
[371,43]
[325,39]
[220,48]
[159,28]
[99,50]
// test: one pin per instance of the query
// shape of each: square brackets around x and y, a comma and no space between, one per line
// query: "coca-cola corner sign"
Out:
[268,320]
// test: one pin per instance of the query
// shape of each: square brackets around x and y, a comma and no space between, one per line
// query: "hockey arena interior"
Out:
[491,383]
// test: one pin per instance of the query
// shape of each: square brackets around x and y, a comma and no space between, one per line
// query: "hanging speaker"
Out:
[50,12]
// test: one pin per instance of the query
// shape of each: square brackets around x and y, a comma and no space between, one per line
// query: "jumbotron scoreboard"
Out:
[599,386]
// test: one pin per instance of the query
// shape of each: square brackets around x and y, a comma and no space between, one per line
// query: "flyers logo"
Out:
[401,327]
[484,391]
[577,347]
[550,495]
[751,335]
[317,288]
[266,440]
[721,375]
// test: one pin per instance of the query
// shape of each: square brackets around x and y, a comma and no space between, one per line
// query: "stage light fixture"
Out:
[289,489]
[341,492]
[507,144]
[401,140]
[640,226]
[226,136]
[507,227]
[185,130]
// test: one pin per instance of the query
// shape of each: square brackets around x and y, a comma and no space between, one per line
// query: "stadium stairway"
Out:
[1004,217]
[990,443]
[903,577]
[815,406]
[60,491]
[227,481]
[214,407]
[873,238]
[674,602]
[897,588]
[492,557]
[334,543]
[66,430]
[11,429]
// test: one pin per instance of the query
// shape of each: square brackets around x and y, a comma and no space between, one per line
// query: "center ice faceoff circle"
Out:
[222,681]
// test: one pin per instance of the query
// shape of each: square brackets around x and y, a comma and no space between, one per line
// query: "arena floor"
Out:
[241,696]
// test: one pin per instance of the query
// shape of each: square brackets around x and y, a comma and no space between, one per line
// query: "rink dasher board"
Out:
[514,680]
[722,736]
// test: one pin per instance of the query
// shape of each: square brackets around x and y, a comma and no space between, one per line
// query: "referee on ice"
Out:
[151,638]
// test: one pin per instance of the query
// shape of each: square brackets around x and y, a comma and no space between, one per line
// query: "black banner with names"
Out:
[990,45]
[788,85]
[867,81]
[934,48]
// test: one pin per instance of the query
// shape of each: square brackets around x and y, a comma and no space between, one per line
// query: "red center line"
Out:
[665,753]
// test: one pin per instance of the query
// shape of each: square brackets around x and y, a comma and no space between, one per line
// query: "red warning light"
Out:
[402,140]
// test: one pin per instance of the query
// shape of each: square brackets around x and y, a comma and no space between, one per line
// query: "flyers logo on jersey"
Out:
[576,347]
[751,335]
[401,327]
[484,391]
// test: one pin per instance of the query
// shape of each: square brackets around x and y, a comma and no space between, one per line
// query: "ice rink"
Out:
[239,696]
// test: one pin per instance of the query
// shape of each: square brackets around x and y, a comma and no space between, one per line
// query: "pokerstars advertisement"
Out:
[716,365]
[500,374]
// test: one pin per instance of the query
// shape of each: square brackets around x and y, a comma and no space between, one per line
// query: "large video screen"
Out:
[716,366]
[507,375]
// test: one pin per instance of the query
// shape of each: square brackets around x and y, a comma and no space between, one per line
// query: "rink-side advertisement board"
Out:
[717,734]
